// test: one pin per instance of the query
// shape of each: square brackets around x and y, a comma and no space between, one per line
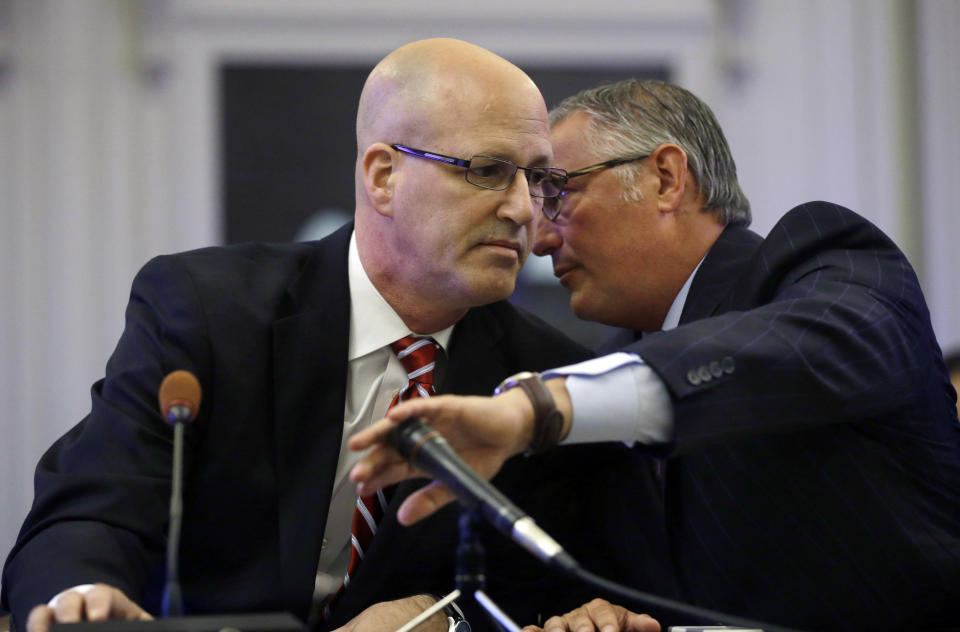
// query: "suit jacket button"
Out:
[693,376]
[705,373]
[727,365]
[715,369]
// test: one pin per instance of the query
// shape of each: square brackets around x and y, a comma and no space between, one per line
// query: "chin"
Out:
[501,292]
[595,310]
[583,307]
[492,290]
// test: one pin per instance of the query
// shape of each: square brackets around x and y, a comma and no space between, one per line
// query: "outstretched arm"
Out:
[485,432]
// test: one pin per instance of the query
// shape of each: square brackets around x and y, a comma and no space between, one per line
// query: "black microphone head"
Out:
[407,437]
[179,396]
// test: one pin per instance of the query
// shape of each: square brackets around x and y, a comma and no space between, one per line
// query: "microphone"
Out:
[179,396]
[429,452]
[179,399]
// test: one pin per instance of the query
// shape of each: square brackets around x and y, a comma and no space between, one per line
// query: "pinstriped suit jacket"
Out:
[814,477]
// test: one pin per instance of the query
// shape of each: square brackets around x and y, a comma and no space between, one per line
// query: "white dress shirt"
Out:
[617,397]
[374,376]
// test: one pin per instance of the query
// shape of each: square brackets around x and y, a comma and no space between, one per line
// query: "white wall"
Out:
[810,108]
[938,93]
[108,139]
[84,180]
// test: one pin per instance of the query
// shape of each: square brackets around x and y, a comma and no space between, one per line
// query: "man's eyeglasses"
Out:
[552,209]
[497,174]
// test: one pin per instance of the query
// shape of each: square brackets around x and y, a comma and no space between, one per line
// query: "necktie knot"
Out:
[418,357]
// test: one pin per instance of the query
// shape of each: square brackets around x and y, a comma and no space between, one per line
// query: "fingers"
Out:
[605,616]
[596,615]
[376,433]
[601,615]
[69,608]
[382,466]
[40,619]
[583,620]
[420,407]
[100,603]
[641,623]
[556,624]
[423,502]
[113,604]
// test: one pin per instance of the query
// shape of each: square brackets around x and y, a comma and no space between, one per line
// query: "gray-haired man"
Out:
[792,384]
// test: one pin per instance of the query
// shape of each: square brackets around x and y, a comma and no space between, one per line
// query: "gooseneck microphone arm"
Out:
[172,597]
[179,399]
[471,577]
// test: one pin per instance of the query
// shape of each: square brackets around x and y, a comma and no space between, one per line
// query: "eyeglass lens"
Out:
[551,206]
[492,173]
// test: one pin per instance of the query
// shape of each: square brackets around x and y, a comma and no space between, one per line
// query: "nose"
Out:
[547,238]
[518,207]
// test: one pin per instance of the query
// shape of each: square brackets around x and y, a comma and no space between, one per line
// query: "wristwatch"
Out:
[456,621]
[547,420]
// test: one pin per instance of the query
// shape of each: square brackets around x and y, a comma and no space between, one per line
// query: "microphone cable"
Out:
[428,451]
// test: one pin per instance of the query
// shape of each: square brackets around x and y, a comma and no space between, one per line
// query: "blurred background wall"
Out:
[113,134]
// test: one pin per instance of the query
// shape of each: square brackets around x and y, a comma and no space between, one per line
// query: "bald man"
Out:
[292,346]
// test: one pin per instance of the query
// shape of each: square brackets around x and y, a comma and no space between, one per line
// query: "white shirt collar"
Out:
[676,308]
[373,323]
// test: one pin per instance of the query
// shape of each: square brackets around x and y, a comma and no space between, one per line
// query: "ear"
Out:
[670,162]
[378,170]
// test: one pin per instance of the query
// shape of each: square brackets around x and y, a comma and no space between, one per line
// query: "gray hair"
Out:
[634,117]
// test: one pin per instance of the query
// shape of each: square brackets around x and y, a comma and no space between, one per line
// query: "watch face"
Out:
[512,381]
[461,626]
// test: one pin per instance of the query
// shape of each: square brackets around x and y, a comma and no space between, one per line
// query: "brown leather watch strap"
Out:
[547,420]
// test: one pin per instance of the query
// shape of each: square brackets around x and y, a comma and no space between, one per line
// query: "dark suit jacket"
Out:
[265,329]
[815,470]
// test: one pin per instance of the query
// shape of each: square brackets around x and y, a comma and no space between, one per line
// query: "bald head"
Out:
[418,216]
[425,89]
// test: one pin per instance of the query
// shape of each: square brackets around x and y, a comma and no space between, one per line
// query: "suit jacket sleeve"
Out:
[99,514]
[826,324]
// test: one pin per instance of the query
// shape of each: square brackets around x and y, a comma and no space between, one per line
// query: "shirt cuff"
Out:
[82,589]
[616,397]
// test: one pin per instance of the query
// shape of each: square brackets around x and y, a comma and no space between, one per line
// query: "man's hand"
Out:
[485,432]
[100,603]
[599,615]
[388,616]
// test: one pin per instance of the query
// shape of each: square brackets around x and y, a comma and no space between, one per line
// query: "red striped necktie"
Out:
[418,357]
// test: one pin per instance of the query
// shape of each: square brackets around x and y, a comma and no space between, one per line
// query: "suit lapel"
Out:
[310,359]
[720,271]
[722,268]
[618,340]
[475,362]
